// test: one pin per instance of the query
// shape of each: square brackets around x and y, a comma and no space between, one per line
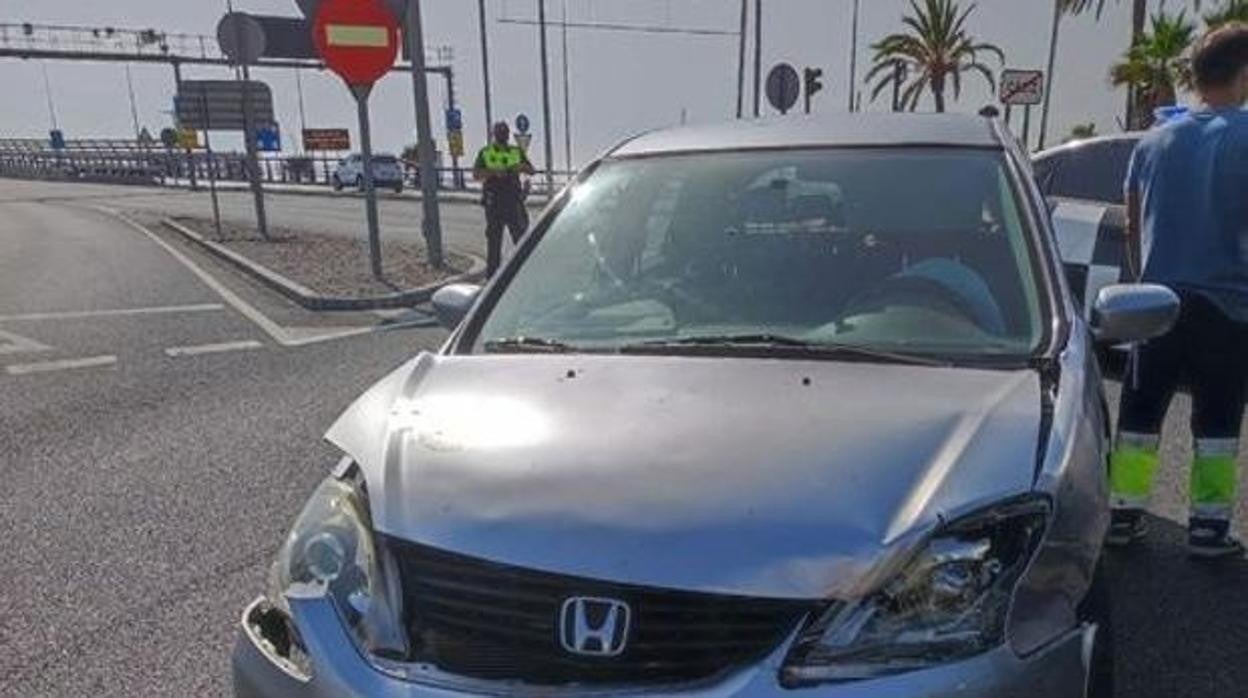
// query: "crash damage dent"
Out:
[1073,471]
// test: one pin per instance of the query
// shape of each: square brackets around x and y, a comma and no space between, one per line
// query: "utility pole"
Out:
[485,69]
[567,102]
[550,179]
[758,57]
[424,136]
[853,56]
[745,17]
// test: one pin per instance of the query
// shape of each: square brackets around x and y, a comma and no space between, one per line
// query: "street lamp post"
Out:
[550,179]
[745,16]
[758,57]
[485,69]
[853,55]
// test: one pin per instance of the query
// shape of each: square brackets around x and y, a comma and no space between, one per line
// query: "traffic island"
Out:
[328,272]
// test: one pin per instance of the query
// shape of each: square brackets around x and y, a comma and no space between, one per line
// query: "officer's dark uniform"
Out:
[503,198]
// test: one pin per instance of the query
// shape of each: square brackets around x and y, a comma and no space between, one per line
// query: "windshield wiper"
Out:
[527,345]
[782,342]
[732,340]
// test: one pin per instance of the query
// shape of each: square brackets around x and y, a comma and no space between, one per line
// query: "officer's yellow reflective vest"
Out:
[501,158]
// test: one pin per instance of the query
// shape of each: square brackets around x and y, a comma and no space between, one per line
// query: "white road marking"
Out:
[63,365]
[246,309]
[16,344]
[214,348]
[120,312]
[284,336]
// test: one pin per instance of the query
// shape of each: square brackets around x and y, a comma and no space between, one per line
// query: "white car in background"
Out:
[1083,183]
[349,172]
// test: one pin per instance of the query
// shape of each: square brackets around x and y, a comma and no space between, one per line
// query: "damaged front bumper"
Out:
[334,667]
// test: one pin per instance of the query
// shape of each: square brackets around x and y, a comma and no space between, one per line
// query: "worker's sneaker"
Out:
[1212,539]
[1125,527]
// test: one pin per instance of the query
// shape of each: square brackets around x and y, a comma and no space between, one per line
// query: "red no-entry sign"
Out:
[357,39]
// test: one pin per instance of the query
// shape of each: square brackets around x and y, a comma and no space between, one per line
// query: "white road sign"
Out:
[1022,87]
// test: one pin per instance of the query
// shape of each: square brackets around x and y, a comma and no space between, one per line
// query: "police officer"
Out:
[498,167]
[1187,190]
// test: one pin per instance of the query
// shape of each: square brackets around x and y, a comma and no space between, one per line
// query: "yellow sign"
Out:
[455,142]
[188,138]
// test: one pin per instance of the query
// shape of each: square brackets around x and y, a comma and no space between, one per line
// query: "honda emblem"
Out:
[594,627]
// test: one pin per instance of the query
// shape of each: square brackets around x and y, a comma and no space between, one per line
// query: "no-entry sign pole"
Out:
[359,40]
[370,184]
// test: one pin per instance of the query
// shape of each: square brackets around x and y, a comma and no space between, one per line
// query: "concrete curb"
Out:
[310,299]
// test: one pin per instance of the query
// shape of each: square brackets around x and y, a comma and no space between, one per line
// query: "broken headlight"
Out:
[948,603]
[331,550]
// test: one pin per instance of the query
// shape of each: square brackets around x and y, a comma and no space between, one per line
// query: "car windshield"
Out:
[385,160]
[921,251]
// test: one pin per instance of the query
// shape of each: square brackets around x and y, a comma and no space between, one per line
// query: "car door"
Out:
[1083,185]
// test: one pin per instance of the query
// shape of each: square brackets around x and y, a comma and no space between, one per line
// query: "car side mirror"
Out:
[1133,312]
[453,301]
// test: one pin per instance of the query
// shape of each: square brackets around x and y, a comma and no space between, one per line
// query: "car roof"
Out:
[840,130]
[1077,144]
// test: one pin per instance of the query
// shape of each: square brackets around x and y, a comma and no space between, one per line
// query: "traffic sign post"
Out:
[1022,88]
[432,223]
[269,139]
[322,139]
[522,124]
[220,102]
[359,40]
[242,39]
[454,119]
[784,86]
[813,79]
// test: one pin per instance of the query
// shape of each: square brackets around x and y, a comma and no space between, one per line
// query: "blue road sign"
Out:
[454,119]
[522,124]
[57,137]
[269,139]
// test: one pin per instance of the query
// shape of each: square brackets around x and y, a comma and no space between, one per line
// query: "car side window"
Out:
[1092,172]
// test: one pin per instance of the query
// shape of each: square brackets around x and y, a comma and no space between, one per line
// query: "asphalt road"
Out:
[155,443]
[463,224]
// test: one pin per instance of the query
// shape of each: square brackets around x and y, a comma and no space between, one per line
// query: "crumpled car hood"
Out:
[778,478]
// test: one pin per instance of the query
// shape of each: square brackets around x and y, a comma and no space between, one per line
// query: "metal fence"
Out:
[134,162]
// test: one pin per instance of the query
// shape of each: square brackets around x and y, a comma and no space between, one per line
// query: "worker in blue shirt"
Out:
[1187,192]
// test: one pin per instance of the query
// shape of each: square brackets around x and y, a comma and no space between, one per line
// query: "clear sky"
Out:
[620,83]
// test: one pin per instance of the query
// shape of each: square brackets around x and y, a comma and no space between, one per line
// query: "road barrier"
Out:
[135,162]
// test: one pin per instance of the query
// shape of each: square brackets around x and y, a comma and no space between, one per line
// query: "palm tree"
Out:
[1158,63]
[1235,11]
[1061,8]
[936,50]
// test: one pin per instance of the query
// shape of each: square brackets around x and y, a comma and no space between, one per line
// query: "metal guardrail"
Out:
[133,162]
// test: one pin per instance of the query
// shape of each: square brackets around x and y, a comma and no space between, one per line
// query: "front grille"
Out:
[486,620]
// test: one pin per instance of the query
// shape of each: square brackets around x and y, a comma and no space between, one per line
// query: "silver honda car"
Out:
[798,407]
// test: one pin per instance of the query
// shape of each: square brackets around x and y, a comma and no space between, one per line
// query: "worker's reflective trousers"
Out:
[1208,353]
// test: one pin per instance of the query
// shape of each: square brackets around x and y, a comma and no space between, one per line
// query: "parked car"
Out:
[1083,182]
[387,173]
[790,404]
